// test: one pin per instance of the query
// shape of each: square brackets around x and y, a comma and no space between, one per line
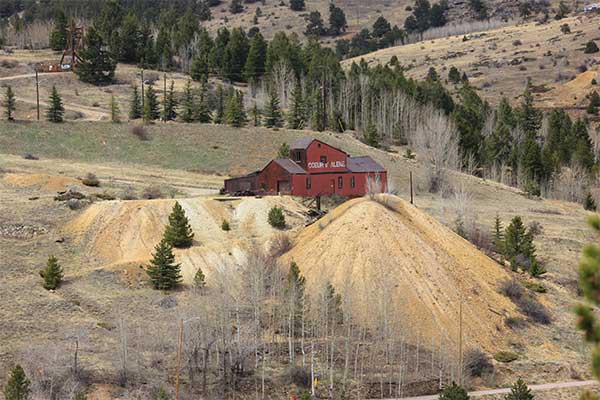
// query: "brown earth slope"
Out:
[397,257]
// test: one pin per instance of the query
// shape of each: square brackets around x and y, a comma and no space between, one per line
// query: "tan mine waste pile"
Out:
[50,183]
[121,235]
[395,260]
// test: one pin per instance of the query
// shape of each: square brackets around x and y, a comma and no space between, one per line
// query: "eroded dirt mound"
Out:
[122,234]
[50,183]
[395,263]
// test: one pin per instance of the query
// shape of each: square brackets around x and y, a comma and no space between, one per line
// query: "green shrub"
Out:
[52,274]
[276,218]
[589,204]
[536,287]
[199,279]
[17,387]
[454,392]
[505,356]
[591,47]
[225,226]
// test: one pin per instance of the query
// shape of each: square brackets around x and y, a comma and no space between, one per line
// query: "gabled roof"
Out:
[289,166]
[364,164]
[302,144]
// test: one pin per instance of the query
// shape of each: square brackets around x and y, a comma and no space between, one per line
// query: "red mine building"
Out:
[314,169]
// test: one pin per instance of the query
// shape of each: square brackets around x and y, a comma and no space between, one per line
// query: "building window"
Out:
[352,182]
[298,156]
[324,159]
[308,184]
[340,182]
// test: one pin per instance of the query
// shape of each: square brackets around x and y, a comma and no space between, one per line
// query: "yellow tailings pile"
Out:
[388,258]
[121,234]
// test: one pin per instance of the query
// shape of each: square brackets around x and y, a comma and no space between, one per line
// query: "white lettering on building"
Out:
[319,165]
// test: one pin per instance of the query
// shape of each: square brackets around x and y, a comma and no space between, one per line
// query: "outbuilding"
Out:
[314,169]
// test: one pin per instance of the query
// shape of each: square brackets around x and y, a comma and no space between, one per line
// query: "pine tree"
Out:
[97,65]
[56,109]
[297,116]
[199,68]
[519,391]
[498,235]
[333,306]
[135,106]
[52,274]
[199,279]
[151,110]
[454,392]
[202,112]
[220,106]
[170,106]
[276,218]
[236,7]
[17,387]
[255,115]
[297,5]
[58,36]
[454,75]
[589,270]
[179,232]
[132,39]
[10,103]
[164,273]
[254,68]
[589,203]
[284,151]
[187,114]
[295,296]
[514,238]
[371,136]
[115,112]
[337,20]
[530,118]
[235,115]
[273,117]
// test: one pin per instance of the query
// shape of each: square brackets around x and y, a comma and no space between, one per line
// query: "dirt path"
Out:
[534,388]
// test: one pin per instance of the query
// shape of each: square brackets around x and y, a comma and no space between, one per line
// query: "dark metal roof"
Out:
[302,144]
[364,164]
[290,166]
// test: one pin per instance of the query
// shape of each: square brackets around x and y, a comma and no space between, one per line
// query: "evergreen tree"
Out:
[297,116]
[52,274]
[454,392]
[236,7]
[284,151]
[236,53]
[589,270]
[591,47]
[272,113]
[163,48]
[219,117]
[135,106]
[333,306]
[514,241]
[589,204]
[337,20]
[187,114]
[151,110]
[58,36]
[164,273]
[454,75]
[498,235]
[170,106]
[297,5]
[56,109]
[255,115]
[97,65]
[132,38]
[235,115]
[17,387]
[314,26]
[371,136]
[179,232]
[10,103]
[199,279]
[203,11]
[115,112]
[519,391]
[479,8]
[276,218]
[254,68]
[530,118]
[381,27]
[202,112]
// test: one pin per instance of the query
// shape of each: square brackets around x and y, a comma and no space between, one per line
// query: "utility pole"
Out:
[165,98]
[411,188]
[460,342]
[37,93]
[143,99]
[179,359]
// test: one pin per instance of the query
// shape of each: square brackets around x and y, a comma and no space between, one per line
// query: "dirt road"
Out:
[534,388]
